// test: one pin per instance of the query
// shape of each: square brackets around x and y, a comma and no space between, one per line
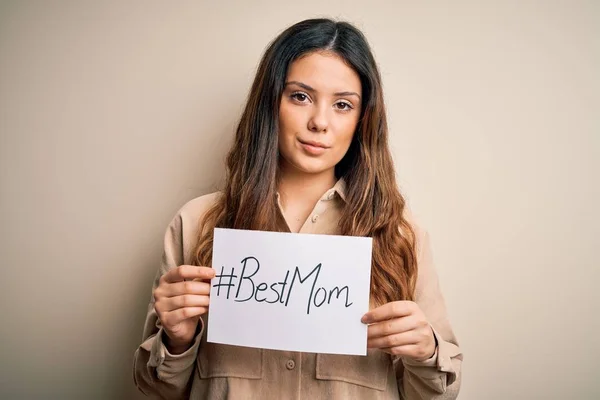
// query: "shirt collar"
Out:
[339,188]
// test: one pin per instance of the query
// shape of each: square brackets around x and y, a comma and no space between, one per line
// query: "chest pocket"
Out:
[370,371]
[224,361]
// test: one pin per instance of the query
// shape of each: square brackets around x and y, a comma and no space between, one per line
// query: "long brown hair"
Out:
[374,206]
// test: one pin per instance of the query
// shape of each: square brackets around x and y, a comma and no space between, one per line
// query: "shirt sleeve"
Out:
[155,370]
[439,376]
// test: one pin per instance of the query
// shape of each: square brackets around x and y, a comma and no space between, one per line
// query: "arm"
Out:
[439,376]
[156,371]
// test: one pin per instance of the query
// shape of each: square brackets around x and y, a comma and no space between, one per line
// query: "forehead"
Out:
[326,72]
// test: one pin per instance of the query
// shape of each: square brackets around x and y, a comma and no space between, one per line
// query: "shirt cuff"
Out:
[430,362]
[168,365]
[439,364]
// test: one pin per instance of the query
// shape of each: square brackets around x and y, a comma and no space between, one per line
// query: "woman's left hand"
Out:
[400,328]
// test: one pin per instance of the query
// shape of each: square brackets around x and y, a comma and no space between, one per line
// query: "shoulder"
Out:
[183,231]
[195,209]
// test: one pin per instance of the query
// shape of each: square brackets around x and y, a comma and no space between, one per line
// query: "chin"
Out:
[310,166]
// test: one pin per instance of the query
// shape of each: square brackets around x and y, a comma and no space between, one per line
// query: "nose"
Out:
[318,121]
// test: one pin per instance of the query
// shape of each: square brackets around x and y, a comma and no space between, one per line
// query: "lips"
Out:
[313,143]
[313,148]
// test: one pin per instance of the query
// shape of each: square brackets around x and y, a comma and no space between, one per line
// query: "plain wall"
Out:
[113,114]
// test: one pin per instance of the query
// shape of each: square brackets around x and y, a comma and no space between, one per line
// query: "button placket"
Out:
[290,364]
[319,209]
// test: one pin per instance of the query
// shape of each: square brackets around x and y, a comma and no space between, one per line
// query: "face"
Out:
[318,114]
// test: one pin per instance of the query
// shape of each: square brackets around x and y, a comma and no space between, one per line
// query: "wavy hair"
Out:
[374,206]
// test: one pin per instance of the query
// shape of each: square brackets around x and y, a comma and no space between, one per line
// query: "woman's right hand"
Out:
[181,297]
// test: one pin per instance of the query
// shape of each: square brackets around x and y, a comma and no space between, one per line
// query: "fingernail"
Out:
[365,319]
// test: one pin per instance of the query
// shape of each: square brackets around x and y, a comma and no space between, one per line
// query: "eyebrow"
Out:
[310,89]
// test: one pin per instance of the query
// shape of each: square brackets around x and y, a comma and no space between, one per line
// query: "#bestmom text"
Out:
[244,288]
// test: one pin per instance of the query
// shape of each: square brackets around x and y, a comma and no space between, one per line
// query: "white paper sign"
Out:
[286,291]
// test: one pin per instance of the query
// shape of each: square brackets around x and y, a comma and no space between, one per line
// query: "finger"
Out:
[399,339]
[391,327]
[188,272]
[173,303]
[174,317]
[390,310]
[409,350]
[187,287]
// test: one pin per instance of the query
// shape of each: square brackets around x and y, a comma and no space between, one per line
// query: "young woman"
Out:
[311,156]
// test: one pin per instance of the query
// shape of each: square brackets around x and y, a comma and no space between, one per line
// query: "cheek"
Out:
[289,119]
[282,121]
[346,132]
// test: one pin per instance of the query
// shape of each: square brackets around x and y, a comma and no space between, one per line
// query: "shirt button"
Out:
[314,218]
[290,364]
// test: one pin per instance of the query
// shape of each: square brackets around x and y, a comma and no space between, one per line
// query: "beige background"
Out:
[113,114]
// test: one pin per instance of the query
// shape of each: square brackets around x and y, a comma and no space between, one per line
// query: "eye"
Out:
[299,97]
[343,106]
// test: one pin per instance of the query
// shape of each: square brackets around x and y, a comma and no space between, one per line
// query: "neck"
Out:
[299,187]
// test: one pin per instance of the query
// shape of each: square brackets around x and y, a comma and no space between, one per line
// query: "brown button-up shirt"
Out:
[217,371]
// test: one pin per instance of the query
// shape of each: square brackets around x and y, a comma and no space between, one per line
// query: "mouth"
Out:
[313,144]
[313,148]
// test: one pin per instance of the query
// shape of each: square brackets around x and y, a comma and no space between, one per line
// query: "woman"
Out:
[310,156]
